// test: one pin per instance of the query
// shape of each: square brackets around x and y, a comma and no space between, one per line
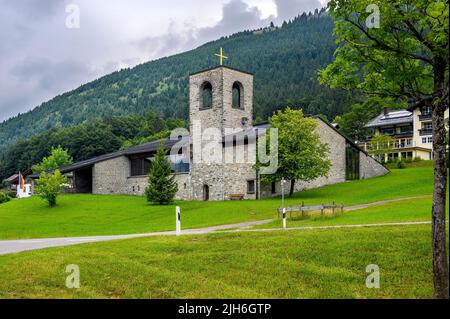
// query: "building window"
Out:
[427,140]
[180,167]
[140,166]
[388,131]
[352,162]
[251,187]
[426,110]
[206,100]
[406,129]
[407,155]
[237,95]
[427,125]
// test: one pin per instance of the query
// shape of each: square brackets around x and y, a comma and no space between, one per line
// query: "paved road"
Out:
[15,246]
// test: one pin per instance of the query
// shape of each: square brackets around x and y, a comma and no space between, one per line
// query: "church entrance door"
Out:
[205,193]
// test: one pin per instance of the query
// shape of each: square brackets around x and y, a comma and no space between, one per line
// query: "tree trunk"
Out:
[291,192]
[440,262]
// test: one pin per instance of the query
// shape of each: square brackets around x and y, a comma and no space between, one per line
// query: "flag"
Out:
[21,181]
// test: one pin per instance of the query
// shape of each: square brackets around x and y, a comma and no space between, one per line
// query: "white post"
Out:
[284,218]
[178,220]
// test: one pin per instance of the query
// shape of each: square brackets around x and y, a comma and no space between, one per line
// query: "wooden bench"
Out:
[302,208]
[236,196]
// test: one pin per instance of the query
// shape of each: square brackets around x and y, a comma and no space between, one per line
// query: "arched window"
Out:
[237,95]
[206,100]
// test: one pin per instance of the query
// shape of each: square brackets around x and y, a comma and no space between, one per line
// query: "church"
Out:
[219,98]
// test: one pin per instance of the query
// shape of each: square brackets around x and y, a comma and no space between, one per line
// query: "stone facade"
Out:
[110,177]
[113,177]
[369,167]
[221,115]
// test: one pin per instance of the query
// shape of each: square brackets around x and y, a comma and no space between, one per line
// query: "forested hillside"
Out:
[284,61]
[87,140]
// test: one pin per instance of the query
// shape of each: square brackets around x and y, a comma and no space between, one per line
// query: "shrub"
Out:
[4,198]
[417,159]
[401,165]
[50,185]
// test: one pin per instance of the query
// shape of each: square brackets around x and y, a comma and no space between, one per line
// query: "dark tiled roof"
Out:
[144,148]
[392,118]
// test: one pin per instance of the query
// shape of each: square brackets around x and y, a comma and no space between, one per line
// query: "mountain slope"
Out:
[284,60]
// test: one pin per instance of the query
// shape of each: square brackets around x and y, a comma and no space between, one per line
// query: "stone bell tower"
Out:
[221,97]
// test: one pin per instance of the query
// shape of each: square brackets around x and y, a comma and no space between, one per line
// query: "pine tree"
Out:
[162,186]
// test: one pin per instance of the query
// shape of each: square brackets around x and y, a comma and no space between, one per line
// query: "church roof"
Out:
[221,66]
[140,149]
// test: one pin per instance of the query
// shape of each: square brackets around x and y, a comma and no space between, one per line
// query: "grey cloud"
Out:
[35,9]
[287,9]
[40,59]
[237,16]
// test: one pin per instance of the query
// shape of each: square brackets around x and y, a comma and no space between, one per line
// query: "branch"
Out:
[386,47]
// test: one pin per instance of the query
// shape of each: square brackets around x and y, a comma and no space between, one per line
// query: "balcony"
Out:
[426,131]
[425,117]
[397,145]
[404,133]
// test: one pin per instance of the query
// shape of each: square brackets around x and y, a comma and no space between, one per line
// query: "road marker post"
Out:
[178,220]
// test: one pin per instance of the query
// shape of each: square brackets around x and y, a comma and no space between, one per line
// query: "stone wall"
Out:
[222,180]
[111,176]
[336,143]
[369,167]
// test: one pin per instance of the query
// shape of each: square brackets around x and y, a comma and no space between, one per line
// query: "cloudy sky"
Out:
[46,50]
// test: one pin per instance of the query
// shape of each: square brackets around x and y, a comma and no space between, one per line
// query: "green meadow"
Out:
[284,264]
[306,263]
[84,215]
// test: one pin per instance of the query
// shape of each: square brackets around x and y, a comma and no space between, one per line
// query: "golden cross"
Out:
[221,56]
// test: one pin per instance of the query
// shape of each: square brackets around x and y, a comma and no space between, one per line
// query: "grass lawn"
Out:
[84,215]
[402,211]
[297,264]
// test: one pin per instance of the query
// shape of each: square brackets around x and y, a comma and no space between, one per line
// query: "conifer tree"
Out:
[162,186]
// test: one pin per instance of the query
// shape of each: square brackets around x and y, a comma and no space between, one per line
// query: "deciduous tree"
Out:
[404,56]
[301,154]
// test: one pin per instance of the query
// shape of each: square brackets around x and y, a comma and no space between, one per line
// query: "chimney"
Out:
[386,110]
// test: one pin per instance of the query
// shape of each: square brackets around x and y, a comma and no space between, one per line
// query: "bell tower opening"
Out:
[238,95]
[206,98]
